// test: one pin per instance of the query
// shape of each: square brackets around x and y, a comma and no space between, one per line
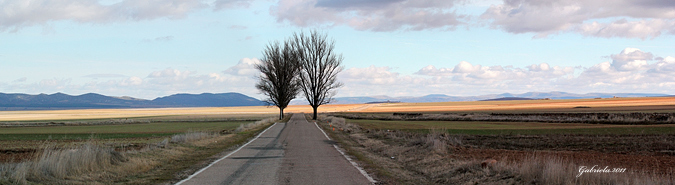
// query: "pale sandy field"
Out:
[616,104]
[152,112]
[619,104]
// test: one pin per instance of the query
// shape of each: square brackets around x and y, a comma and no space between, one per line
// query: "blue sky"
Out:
[154,48]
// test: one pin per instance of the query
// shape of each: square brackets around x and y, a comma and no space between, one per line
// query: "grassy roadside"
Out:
[377,169]
[165,161]
[179,162]
[508,128]
[437,157]
[197,156]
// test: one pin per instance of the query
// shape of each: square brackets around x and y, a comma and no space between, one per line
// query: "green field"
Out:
[527,128]
[143,130]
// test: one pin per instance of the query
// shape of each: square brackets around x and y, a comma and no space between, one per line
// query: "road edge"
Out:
[356,165]
[216,161]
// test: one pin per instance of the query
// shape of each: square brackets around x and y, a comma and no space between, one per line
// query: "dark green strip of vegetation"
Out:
[617,131]
[25,137]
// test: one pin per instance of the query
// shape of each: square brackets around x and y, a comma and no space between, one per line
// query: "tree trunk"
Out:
[315,112]
[281,113]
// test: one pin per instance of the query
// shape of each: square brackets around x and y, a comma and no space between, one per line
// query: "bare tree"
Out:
[280,68]
[320,66]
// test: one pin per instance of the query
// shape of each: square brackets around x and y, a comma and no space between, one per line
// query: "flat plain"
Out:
[25,133]
[178,113]
[449,142]
[648,104]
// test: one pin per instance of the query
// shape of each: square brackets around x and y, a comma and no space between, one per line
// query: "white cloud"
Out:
[648,19]
[52,85]
[131,81]
[374,15]
[467,73]
[15,15]
[631,70]
[224,4]
[95,76]
[20,80]
[245,67]
[375,80]
[239,78]
[630,29]
[371,75]
[631,59]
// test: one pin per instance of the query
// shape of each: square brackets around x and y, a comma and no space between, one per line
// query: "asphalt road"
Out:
[296,152]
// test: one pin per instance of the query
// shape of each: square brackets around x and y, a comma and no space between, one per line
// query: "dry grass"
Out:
[196,112]
[633,118]
[191,136]
[397,157]
[556,171]
[525,105]
[99,163]
[614,104]
[54,165]
[257,124]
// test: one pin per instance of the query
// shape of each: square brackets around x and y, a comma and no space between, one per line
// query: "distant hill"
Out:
[208,100]
[507,99]
[504,96]
[92,100]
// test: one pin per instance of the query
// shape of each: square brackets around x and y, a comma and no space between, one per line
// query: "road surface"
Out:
[296,152]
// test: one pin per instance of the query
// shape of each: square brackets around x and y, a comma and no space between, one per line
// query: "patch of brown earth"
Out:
[16,155]
[651,164]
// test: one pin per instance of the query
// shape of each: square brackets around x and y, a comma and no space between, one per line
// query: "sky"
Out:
[154,48]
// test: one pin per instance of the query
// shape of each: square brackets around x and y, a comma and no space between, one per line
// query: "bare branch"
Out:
[320,66]
[280,70]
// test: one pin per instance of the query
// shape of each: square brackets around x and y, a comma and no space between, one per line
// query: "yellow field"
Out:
[663,104]
[151,112]
[609,104]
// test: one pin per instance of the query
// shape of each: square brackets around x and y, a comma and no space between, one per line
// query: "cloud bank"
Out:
[15,15]
[373,15]
[631,70]
[595,18]
[239,78]
[628,71]
[643,19]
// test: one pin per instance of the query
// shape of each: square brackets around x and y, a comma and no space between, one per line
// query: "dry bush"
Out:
[601,118]
[14,173]
[555,171]
[54,164]
[400,157]
[338,123]
[74,123]
[190,136]
[250,126]
[60,163]
[434,141]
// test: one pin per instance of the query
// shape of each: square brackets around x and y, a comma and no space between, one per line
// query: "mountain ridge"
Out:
[58,101]
[18,101]
[502,96]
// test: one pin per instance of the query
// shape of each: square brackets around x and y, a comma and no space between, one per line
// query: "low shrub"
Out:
[250,126]
[191,136]
[53,164]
